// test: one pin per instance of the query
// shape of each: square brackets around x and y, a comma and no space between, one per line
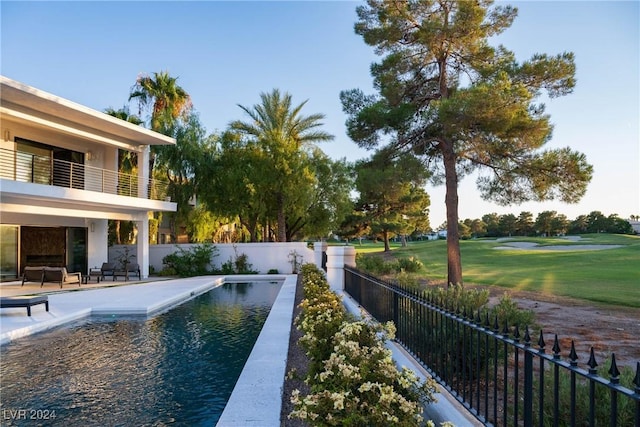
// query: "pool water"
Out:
[176,368]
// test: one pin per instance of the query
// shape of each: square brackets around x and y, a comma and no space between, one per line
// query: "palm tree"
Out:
[168,100]
[284,133]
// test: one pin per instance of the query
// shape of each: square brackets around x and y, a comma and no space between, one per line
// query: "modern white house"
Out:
[59,182]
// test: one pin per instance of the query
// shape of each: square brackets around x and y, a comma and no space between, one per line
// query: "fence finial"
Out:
[541,343]
[592,363]
[613,370]
[573,355]
[556,347]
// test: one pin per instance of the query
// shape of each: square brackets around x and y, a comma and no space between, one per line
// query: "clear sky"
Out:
[227,53]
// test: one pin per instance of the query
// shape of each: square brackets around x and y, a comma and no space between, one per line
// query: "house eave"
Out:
[25,103]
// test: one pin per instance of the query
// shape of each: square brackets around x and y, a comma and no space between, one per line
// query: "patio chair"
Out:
[133,269]
[61,275]
[33,274]
[107,269]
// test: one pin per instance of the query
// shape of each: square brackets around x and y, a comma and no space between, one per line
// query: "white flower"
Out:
[338,400]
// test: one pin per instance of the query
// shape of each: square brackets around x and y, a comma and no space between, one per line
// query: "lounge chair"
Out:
[33,274]
[60,275]
[107,269]
[24,301]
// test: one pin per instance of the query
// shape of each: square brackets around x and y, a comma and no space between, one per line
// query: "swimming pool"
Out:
[176,368]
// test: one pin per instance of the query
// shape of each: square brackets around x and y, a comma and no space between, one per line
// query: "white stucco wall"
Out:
[262,256]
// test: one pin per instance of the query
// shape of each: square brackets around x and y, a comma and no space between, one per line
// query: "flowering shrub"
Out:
[354,380]
[320,318]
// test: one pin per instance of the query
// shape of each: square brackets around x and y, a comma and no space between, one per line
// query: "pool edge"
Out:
[256,399]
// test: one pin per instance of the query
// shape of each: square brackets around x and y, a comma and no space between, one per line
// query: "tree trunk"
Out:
[173,228]
[454,262]
[250,225]
[117,230]
[385,236]
[282,224]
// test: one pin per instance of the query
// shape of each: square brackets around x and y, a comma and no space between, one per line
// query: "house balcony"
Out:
[31,185]
[26,167]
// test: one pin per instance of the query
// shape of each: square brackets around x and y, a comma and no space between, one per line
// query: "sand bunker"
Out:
[530,246]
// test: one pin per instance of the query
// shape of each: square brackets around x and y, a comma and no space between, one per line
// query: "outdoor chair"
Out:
[132,269]
[61,275]
[107,269]
[33,274]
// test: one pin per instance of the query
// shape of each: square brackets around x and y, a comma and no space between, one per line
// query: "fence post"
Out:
[528,381]
[337,258]
[319,248]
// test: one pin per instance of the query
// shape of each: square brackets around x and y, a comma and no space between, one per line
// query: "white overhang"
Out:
[23,103]
[29,198]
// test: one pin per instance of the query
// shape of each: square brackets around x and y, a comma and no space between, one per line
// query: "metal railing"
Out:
[500,376]
[28,167]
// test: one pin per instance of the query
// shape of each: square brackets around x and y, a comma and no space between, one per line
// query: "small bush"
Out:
[407,281]
[509,313]
[193,262]
[375,265]
[239,265]
[409,265]
[458,298]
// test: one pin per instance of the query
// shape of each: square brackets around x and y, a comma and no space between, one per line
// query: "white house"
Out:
[59,181]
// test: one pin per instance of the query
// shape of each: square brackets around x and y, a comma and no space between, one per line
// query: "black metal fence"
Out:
[497,373]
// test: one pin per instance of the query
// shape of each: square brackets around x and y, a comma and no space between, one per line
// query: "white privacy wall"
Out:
[262,256]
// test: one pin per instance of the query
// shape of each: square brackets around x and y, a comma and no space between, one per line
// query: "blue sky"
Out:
[227,53]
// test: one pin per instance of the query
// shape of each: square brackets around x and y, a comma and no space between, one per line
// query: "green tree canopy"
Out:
[392,199]
[320,207]
[446,94]
[281,134]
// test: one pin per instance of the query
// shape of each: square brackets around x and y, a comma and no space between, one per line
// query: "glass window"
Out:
[8,251]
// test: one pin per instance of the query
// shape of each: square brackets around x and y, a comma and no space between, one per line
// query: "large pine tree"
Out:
[446,94]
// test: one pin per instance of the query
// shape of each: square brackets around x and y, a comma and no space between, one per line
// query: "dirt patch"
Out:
[605,328]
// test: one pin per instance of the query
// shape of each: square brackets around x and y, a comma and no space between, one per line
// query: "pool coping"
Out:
[256,399]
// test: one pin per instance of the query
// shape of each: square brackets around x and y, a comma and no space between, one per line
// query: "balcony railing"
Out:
[26,167]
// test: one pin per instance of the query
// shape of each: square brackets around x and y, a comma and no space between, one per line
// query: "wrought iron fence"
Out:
[27,167]
[501,376]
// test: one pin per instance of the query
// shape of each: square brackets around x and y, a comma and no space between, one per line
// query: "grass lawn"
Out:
[610,276]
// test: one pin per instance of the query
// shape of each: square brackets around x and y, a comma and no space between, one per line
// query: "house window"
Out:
[45,164]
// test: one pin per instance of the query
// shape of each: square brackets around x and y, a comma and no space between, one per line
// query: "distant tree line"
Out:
[547,223]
